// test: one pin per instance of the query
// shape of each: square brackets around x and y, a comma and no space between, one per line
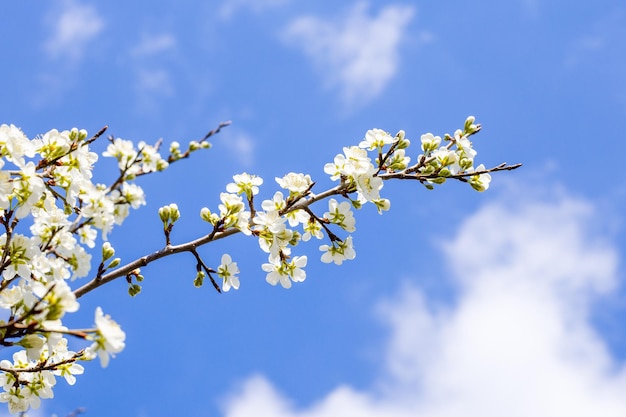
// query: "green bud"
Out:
[107,251]
[470,128]
[174,213]
[404,143]
[429,169]
[206,215]
[175,148]
[466,163]
[115,262]
[78,135]
[31,341]
[164,214]
[444,172]
[134,289]
[199,280]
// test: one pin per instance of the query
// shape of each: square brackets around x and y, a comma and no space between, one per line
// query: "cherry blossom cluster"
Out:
[51,215]
[287,219]
[55,223]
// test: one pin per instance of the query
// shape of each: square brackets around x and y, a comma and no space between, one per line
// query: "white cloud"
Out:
[154,81]
[74,26]
[517,341]
[599,46]
[73,29]
[357,54]
[149,59]
[241,144]
[154,45]
[230,7]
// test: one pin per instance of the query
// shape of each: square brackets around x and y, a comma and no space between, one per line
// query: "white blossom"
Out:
[228,271]
[109,339]
[376,139]
[295,183]
[338,252]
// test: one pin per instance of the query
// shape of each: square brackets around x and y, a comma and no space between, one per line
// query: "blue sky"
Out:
[509,302]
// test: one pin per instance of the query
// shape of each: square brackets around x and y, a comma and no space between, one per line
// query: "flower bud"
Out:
[466,163]
[78,135]
[31,341]
[174,212]
[205,214]
[174,147]
[164,214]
[198,281]
[134,289]
[107,251]
[115,262]
[470,128]
[403,143]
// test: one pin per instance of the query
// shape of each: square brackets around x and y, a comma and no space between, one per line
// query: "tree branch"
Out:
[191,246]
